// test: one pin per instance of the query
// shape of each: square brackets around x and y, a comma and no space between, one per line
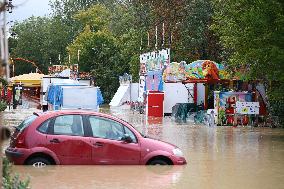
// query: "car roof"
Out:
[82,112]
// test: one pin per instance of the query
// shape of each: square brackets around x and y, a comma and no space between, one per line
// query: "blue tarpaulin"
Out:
[55,94]
[55,91]
[100,97]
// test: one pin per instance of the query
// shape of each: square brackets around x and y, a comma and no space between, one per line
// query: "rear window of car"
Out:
[26,122]
[44,126]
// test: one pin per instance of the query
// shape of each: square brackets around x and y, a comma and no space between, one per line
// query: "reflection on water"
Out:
[120,177]
[220,157]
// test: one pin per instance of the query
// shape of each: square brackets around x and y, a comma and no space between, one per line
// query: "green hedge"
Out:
[11,181]
[3,106]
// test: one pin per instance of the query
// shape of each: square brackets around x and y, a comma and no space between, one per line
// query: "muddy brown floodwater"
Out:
[219,157]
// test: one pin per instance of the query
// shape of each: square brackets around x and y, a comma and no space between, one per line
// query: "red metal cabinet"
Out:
[155,104]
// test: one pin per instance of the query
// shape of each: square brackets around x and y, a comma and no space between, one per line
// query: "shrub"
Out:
[11,181]
[3,105]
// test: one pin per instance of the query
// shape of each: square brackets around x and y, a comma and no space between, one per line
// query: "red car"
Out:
[86,138]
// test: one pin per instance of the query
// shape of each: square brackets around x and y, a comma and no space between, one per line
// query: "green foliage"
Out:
[3,105]
[12,181]
[97,16]
[276,100]
[99,49]
[252,33]
[186,26]
[39,39]
[3,82]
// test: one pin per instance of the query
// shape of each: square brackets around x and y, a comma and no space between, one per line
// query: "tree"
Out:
[64,10]
[186,27]
[39,39]
[99,49]
[31,38]
[252,33]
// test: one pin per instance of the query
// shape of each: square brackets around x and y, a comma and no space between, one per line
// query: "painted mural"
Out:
[225,104]
[200,69]
[153,61]
[175,72]
[155,68]
[154,81]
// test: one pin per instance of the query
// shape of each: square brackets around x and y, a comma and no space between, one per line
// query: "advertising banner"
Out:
[56,69]
[17,94]
[247,107]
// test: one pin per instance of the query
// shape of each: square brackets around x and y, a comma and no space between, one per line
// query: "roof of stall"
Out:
[28,80]
[210,81]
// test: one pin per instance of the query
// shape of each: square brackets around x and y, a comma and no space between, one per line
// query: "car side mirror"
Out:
[126,138]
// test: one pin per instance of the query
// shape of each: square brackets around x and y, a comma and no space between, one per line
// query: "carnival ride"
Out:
[27,61]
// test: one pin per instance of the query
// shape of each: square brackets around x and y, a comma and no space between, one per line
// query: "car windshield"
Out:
[134,128]
[26,122]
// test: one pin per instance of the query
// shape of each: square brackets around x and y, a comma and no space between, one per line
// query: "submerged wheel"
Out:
[158,162]
[39,162]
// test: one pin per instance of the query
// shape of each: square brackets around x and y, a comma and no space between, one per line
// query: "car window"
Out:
[68,125]
[105,128]
[26,123]
[44,126]
[131,134]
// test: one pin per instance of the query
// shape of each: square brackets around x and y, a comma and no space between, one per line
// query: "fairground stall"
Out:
[69,75]
[180,89]
[27,86]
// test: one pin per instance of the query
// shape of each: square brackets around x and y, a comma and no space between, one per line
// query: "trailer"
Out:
[73,96]
[45,82]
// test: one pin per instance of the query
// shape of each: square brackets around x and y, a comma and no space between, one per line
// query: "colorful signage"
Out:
[247,107]
[200,69]
[59,68]
[153,61]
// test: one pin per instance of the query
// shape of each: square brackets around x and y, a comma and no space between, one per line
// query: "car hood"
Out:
[153,145]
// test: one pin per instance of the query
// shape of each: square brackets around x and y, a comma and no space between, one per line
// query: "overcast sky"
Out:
[28,8]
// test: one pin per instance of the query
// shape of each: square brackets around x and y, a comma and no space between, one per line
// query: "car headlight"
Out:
[177,152]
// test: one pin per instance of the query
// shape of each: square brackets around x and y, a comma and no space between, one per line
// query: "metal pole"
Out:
[59,58]
[156,33]
[6,50]
[2,44]
[78,59]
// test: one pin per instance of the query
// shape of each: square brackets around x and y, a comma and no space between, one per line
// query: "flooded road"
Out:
[219,157]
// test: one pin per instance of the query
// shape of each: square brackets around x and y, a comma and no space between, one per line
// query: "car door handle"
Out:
[55,140]
[98,144]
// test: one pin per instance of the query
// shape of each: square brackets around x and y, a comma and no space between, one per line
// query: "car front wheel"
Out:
[38,162]
[158,162]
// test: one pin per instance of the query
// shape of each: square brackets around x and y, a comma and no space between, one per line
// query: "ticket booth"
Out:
[155,104]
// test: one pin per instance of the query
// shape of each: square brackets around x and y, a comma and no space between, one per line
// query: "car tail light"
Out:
[18,140]
[14,138]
